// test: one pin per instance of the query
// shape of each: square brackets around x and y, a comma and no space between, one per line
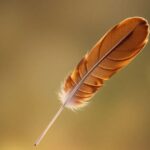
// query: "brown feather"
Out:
[115,50]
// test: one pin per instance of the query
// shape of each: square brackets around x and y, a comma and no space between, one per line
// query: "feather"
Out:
[115,50]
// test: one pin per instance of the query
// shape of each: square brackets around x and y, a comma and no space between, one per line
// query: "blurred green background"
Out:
[40,43]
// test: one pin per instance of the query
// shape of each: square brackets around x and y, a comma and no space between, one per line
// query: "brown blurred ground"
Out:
[40,42]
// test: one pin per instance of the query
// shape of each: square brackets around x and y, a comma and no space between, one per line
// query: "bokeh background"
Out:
[40,43]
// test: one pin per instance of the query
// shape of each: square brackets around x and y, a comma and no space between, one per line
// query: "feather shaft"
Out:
[49,125]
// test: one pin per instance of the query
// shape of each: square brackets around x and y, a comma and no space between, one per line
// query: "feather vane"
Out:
[113,52]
